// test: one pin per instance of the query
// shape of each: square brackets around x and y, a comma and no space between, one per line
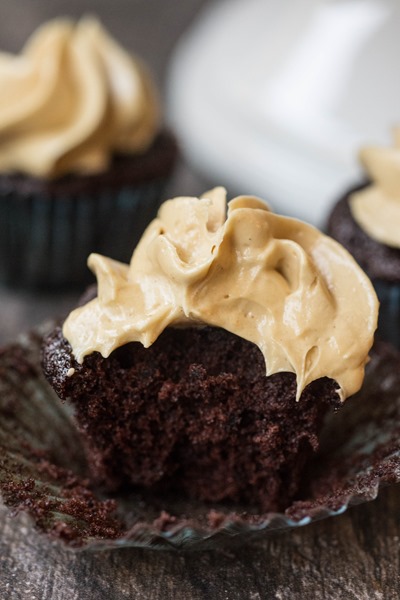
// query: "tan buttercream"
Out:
[277,282]
[71,99]
[376,208]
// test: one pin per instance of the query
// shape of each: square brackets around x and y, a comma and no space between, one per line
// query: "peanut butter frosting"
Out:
[275,281]
[376,208]
[70,100]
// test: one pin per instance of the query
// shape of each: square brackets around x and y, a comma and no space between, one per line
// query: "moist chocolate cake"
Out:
[194,413]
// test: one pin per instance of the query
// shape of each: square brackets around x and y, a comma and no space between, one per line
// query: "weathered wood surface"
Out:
[354,556]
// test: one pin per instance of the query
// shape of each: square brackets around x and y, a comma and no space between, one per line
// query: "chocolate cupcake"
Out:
[207,365]
[367,222]
[83,157]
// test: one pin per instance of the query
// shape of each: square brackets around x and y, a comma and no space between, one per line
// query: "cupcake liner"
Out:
[389,311]
[45,239]
[43,470]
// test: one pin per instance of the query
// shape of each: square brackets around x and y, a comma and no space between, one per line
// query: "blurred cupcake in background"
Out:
[83,155]
[367,222]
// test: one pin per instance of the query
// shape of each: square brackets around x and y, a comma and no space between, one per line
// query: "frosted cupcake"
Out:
[206,366]
[367,222]
[83,157]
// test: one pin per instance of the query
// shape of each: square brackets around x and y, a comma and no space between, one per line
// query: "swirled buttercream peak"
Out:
[71,99]
[274,281]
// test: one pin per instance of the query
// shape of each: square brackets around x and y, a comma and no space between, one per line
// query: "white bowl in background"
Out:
[275,97]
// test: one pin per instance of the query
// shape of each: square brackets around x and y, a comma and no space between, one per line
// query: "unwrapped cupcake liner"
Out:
[43,471]
[45,240]
[389,311]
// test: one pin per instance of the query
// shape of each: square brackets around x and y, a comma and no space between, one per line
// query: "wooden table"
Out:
[354,556]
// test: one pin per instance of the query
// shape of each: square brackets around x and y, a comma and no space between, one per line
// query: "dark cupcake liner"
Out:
[45,240]
[43,470]
[389,311]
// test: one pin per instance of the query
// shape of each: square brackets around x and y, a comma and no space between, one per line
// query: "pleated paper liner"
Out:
[43,470]
[45,240]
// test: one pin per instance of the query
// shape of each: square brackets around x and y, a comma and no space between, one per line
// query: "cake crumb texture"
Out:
[194,413]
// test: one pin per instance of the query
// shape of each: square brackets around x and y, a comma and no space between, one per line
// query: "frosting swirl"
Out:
[376,208]
[275,281]
[71,99]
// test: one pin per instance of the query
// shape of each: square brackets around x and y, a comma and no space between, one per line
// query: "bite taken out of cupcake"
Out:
[206,366]
[84,156]
[366,221]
